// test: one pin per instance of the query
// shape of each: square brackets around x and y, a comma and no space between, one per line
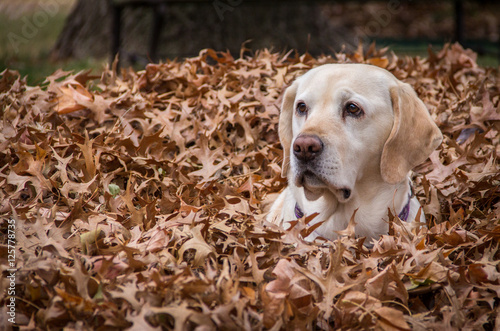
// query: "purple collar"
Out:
[405,212]
[298,212]
[403,215]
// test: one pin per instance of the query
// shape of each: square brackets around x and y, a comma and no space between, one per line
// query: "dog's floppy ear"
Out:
[413,137]
[285,125]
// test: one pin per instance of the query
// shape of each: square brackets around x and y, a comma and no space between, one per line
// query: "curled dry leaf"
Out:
[72,97]
[197,246]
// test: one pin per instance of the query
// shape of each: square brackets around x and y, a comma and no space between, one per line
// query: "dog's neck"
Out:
[370,201]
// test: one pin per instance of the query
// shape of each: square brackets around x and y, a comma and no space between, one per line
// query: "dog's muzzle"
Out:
[307,149]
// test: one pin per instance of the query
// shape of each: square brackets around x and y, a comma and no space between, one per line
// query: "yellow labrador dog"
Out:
[351,133]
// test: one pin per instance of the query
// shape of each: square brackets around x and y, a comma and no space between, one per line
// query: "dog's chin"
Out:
[314,187]
[314,193]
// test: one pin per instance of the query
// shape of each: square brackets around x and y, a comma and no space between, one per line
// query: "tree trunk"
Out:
[85,32]
[188,28]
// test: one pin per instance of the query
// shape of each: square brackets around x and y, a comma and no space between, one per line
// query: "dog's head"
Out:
[340,123]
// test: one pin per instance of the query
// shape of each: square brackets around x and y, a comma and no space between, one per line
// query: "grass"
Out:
[489,57]
[28,33]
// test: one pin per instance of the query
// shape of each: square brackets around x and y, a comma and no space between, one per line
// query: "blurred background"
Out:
[39,36]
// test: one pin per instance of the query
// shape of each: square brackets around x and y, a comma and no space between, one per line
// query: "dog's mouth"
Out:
[310,180]
[315,186]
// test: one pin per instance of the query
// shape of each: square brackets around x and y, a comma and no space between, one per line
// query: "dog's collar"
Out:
[403,215]
[298,212]
[405,212]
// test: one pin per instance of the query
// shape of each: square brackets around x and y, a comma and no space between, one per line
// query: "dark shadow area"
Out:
[144,31]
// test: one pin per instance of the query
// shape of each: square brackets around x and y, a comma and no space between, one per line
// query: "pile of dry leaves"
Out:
[136,202]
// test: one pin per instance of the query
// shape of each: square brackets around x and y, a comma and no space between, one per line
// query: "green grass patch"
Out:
[488,57]
[28,32]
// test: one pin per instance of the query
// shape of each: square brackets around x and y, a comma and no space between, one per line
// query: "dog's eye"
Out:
[301,108]
[353,109]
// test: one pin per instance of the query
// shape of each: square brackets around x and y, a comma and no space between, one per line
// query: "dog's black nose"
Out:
[307,147]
